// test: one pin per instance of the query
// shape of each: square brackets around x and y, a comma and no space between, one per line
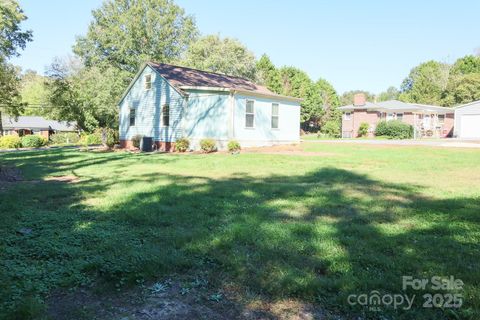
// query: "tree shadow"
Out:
[317,237]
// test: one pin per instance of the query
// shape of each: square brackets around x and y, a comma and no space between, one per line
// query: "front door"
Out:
[427,122]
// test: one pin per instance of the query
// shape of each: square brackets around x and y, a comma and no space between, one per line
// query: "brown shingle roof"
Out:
[182,76]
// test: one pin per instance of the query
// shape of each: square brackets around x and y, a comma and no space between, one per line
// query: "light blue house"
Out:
[167,102]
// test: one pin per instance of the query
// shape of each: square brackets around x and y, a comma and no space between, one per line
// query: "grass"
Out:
[315,228]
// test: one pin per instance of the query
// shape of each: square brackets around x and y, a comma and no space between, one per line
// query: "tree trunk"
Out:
[1,124]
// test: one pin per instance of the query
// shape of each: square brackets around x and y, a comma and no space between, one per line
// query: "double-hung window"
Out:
[400,116]
[250,114]
[132,117]
[166,115]
[441,119]
[275,115]
[347,116]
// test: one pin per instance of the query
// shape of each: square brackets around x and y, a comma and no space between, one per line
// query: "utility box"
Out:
[146,144]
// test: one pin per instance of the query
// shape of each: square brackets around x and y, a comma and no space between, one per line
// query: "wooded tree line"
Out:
[123,34]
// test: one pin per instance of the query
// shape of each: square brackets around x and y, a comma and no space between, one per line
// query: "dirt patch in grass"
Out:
[172,300]
[66,179]
[289,149]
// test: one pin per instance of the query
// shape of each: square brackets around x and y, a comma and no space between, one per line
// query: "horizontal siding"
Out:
[262,133]
[148,105]
[207,115]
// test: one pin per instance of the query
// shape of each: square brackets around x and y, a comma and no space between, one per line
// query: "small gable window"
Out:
[132,117]
[166,115]
[250,114]
[148,82]
[275,115]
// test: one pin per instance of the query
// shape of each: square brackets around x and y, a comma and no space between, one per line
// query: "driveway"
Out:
[449,142]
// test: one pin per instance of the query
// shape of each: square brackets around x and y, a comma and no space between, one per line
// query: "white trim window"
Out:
[399,116]
[250,114]
[441,119]
[132,117]
[166,115]
[347,116]
[275,115]
[148,81]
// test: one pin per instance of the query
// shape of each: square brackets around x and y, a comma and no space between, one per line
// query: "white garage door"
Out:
[470,126]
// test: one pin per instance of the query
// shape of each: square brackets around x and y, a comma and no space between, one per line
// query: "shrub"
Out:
[91,138]
[394,129]
[208,145]
[10,142]
[331,128]
[33,141]
[233,146]
[65,138]
[182,144]
[107,136]
[363,129]
[136,140]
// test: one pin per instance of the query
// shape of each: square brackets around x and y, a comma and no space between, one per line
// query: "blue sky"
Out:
[366,45]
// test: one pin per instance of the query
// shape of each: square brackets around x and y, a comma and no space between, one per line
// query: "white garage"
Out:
[467,121]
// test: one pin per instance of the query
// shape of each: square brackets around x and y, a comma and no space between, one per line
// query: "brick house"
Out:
[427,120]
[25,125]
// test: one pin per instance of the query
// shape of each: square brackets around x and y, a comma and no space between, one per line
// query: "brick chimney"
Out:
[359,99]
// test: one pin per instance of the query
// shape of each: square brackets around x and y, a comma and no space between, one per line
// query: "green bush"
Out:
[208,145]
[363,129]
[394,129]
[10,142]
[136,140]
[108,136]
[233,146]
[182,144]
[91,139]
[33,141]
[65,138]
[331,128]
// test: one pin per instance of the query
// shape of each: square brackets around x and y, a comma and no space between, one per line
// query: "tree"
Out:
[268,75]
[87,96]
[462,89]
[466,65]
[297,83]
[126,33]
[12,39]
[391,93]
[227,56]
[329,101]
[347,97]
[426,83]
[34,93]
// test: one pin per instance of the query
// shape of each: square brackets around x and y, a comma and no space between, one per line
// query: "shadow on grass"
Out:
[317,237]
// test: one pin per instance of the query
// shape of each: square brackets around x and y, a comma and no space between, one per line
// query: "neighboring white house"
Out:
[467,121]
[167,102]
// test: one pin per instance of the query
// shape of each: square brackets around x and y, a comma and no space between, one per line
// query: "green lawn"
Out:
[353,219]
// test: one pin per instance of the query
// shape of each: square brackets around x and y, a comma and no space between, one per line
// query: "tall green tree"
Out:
[268,75]
[84,95]
[466,65]
[227,56]
[12,39]
[329,101]
[462,89]
[126,33]
[34,93]
[347,97]
[391,93]
[123,35]
[426,83]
